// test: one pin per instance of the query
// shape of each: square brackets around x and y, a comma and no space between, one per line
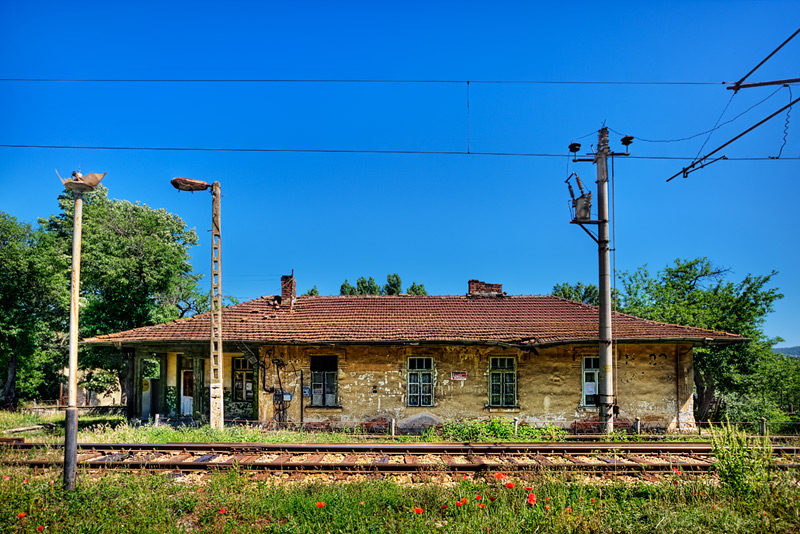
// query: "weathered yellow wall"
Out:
[654,383]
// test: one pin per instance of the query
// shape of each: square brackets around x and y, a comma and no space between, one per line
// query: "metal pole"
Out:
[217,411]
[71,423]
[606,386]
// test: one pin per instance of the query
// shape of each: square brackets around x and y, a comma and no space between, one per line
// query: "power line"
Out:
[357,151]
[738,84]
[353,80]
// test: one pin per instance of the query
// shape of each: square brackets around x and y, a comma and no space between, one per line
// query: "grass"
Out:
[234,501]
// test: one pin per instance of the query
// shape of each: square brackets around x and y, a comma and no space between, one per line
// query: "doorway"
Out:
[187,392]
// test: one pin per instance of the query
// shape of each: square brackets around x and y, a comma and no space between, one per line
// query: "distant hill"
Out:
[791,351]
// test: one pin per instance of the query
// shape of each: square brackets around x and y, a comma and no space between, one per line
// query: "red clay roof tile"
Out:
[519,319]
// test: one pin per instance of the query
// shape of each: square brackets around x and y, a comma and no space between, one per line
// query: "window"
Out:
[323,380]
[242,380]
[420,381]
[502,382]
[591,369]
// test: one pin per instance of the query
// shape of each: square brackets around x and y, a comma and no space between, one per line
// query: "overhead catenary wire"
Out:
[357,151]
[351,80]
[738,84]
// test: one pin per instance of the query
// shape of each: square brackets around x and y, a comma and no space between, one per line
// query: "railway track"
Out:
[388,458]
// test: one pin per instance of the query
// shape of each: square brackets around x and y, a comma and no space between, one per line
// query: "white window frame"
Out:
[502,375]
[590,367]
[419,379]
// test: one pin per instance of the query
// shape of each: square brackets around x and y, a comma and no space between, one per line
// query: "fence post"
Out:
[763,426]
[637,426]
[516,425]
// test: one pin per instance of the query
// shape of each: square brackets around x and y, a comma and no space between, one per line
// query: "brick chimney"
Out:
[482,289]
[288,290]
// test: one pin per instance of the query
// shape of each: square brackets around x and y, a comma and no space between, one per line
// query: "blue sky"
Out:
[434,219]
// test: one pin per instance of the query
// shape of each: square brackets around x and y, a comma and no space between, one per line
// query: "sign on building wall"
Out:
[458,375]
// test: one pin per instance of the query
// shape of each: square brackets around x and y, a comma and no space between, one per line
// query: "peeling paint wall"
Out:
[654,383]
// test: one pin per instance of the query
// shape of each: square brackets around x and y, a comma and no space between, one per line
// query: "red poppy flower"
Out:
[362,503]
[569,510]
[528,488]
[547,499]
[531,498]
[418,510]
[592,499]
[40,527]
[500,476]
[546,506]
[510,484]
[464,500]
[478,497]
[25,481]
[6,477]
[51,482]
[459,503]
[222,510]
[492,498]
[21,514]
[481,505]
[444,507]
[320,504]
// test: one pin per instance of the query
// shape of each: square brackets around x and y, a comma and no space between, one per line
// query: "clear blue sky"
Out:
[434,219]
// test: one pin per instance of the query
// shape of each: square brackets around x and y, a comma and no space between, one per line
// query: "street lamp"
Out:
[216,411]
[78,184]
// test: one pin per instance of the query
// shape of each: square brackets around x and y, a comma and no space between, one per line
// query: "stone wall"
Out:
[654,383]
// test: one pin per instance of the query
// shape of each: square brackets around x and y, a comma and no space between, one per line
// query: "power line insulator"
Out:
[574,147]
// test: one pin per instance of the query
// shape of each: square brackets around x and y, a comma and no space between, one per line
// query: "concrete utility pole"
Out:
[216,408]
[79,184]
[606,386]
[217,414]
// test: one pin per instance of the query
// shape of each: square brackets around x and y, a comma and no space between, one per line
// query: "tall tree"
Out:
[393,285]
[33,311]
[366,286]
[135,266]
[417,289]
[588,294]
[696,293]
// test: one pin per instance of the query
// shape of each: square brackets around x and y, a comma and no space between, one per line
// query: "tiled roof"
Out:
[518,319]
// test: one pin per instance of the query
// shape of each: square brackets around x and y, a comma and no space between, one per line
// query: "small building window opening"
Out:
[243,389]
[591,370]
[420,381]
[324,371]
[502,382]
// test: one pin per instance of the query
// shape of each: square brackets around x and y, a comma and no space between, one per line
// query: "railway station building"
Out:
[418,360]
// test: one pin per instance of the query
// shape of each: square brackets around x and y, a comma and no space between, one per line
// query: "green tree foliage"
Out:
[393,285]
[696,293]
[33,311]
[313,292]
[588,294]
[366,286]
[347,289]
[417,289]
[135,269]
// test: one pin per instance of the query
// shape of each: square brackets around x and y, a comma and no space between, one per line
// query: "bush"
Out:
[742,462]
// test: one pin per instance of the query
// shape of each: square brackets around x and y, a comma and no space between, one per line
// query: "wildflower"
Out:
[531,499]
[25,481]
[763,513]
[40,528]
[6,477]
[459,504]
[478,497]
[223,511]
[320,504]
[464,477]
[362,503]
[492,498]
[481,505]
[675,469]
[464,500]
[547,499]
[500,476]
[418,510]
[569,510]
[21,514]
[547,507]
[51,482]
[592,499]
[444,507]
[510,484]
[528,488]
